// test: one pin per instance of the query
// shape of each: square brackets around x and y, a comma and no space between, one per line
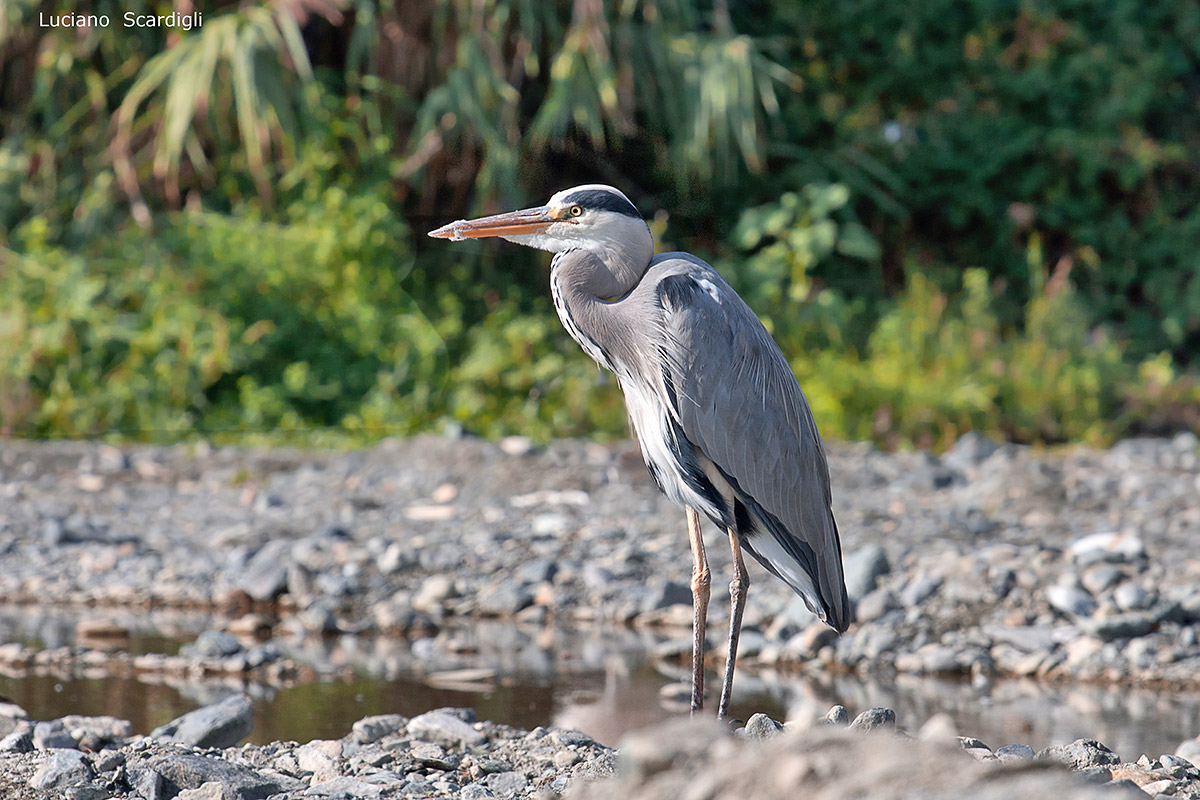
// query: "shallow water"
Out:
[603,682]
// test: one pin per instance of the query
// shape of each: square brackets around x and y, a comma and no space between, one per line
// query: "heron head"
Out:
[591,217]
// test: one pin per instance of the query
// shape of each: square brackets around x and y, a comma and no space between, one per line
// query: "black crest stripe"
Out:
[601,200]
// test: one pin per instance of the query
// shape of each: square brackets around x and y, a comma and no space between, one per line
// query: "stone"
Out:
[968,451]
[1158,787]
[372,729]
[206,791]
[108,760]
[52,735]
[442,727]
[216,644]
[1129,596]
[345,788]
[919,590]
[663,594]
[503,600]
[265,576]
[760,727]
[874,719]
[430,755]
[505,783]
[475,791]
[862,570]
[1080,754]
[146,783]
[1100,578]
[1015,753]
[317,759]
[62,769]
[1070,601]
[222,724]
[875,605]
[93,733]
[19,741]
[182,770]
[1107,547]
[434,592]
[836,716]
[1122,626]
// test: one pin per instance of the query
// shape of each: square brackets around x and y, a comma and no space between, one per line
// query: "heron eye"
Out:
[576,211]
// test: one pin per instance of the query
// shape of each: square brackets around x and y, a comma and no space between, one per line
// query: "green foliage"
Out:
[957,215]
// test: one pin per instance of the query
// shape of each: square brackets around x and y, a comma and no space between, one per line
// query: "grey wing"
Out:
[738,402]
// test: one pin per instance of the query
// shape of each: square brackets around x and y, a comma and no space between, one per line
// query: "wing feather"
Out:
[738,402]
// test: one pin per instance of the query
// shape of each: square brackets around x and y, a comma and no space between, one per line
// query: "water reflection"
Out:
[601,681]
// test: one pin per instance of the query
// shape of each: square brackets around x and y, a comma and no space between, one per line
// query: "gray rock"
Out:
[503,599]
[372,729]
[93,733]
[836,716]
[596,577]
[666,593]
[919,590]
[863,568]
[1129,596]
[146,783]
[222,724]
[535,571]
[442,727]
[207,791]
[319,618]
[1070,601]
[19,741]
[760,727]
[345,788]
[1080,754]
[216,644]
[1015,752]
[969,450]
[63,769]
[54,734]
[874,719]
[505,783]
[571,738]
[108,760]
[476,791]
[430,755]
[1100,578]
[180,770]
[875,605]
[266,575]
[1122,626]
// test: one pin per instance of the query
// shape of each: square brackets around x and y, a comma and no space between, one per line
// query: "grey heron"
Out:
[722,423]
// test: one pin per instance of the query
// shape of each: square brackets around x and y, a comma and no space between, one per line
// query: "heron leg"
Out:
[700,594]
[738,587]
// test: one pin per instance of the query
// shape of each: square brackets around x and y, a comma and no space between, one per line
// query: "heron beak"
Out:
[512,223]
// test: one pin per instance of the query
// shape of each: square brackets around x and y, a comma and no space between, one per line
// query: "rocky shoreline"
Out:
[987,563]
[448,753]
[990,560]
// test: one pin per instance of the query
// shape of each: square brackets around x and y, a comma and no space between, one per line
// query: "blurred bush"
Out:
[958,215]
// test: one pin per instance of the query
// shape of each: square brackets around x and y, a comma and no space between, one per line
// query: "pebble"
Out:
[760,727]
[62,769]
[1080,754]
[372,729]
[440,726]
[874,719]
[863,568]
[222,724]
